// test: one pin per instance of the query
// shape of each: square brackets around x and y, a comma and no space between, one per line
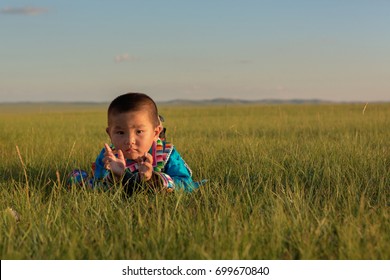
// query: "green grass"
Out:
[285,182]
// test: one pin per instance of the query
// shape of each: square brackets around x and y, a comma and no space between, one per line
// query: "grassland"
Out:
[285,182]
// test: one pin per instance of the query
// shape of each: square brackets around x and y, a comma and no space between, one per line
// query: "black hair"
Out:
[134,101]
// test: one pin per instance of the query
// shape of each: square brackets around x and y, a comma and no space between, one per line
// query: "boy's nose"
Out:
[130,140]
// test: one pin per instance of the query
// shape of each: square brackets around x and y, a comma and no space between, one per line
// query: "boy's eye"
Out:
[120,132]
[140,131]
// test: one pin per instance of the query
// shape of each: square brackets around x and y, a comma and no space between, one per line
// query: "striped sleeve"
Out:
[167,181]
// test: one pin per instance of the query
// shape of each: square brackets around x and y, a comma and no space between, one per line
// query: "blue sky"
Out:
[94,50]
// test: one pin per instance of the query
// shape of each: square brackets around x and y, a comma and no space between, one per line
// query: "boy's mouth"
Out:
[131,150]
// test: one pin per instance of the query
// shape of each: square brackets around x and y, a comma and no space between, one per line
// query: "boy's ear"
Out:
[157,131]
[107,131]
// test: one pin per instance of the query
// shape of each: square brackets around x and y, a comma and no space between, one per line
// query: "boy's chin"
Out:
[132,156]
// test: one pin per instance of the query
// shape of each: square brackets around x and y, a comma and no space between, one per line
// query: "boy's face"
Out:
[132,132]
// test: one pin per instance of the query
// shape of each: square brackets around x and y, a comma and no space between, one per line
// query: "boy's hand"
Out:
[145,168]
[116,164]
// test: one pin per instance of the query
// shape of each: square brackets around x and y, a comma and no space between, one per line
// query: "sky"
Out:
[94,50]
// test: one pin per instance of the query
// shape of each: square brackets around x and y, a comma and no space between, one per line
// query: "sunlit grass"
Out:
[285,182]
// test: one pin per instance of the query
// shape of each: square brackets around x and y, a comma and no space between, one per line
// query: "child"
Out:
[137,156]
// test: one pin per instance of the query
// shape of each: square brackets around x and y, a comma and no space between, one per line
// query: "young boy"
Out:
[137,157]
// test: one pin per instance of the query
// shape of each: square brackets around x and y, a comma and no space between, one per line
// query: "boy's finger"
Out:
[108,149]
[145,166]
[120,155]
[141,169]
[106,164]
[148,158]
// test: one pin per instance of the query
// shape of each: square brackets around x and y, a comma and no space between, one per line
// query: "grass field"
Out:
[285,182]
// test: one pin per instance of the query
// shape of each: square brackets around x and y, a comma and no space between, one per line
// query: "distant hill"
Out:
[217,101]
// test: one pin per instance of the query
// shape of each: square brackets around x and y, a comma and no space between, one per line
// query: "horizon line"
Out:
[218,100]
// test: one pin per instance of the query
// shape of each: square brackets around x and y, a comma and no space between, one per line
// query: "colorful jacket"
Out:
[168,165]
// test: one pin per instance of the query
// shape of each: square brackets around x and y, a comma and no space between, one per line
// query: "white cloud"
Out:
[27,11]
[123,57]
